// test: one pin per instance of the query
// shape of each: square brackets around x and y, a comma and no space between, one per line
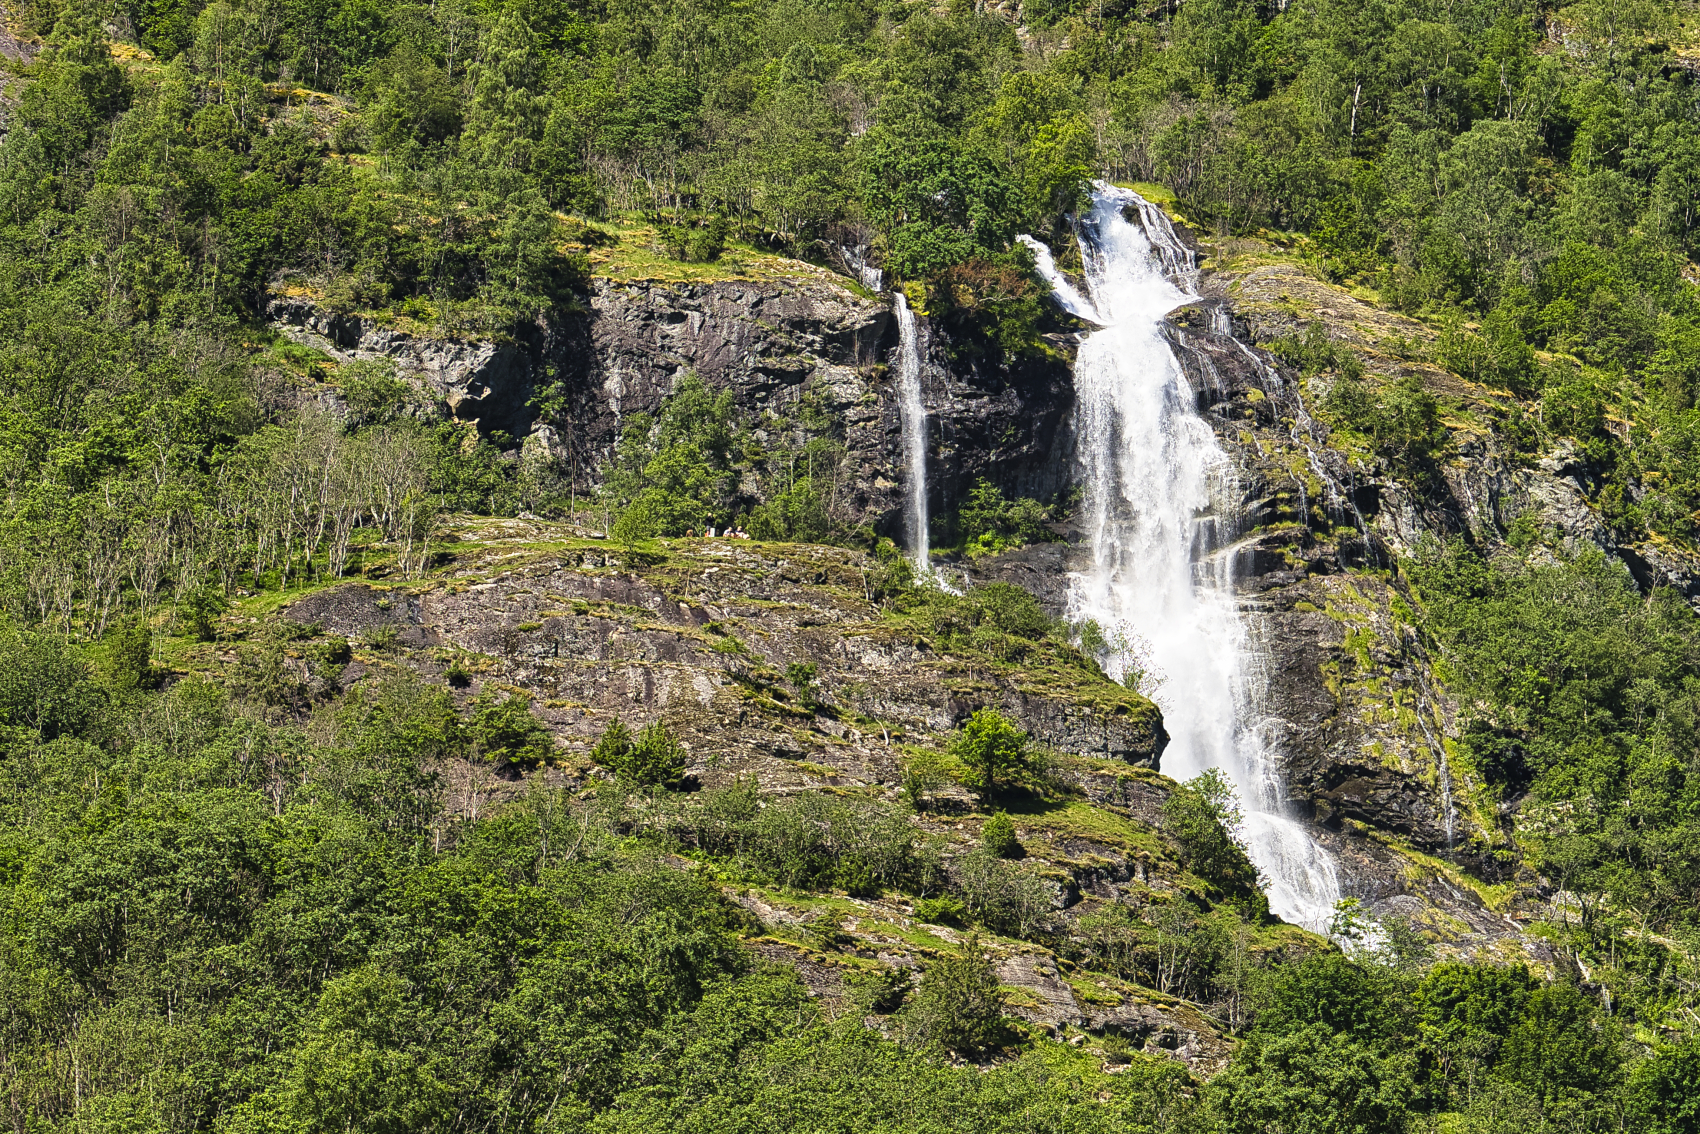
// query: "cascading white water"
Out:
[912,416]
[1071,299]
[1158,508]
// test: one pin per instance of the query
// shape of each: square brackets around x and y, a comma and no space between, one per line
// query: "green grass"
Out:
[1077,819]
[631,255]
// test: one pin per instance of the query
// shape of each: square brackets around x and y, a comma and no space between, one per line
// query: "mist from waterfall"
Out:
[1160,512]
[912,417]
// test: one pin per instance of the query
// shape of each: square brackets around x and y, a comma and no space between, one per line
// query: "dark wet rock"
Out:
[772,345]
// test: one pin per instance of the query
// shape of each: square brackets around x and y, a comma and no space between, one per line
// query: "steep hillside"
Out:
[1210,641]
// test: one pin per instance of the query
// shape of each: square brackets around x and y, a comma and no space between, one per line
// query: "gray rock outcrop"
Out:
[483,382]
[777,345]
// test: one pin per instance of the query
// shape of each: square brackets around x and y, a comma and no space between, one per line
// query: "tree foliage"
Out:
[991,748]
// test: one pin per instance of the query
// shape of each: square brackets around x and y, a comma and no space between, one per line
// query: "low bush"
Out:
[998,836]
[959,1005]
[653,758]
[989,522]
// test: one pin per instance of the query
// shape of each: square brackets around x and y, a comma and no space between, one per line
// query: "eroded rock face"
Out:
[13,50]
[1350,705]
[774,345]
[703,641]
[486,383]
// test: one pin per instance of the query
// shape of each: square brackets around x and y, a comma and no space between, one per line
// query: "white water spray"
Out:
[1159,510]
[912,415]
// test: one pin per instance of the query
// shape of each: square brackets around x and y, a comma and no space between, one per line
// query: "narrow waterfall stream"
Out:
[912,414]
[1067,295]
[1161,515]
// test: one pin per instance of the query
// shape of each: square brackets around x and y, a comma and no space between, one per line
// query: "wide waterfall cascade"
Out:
[1159,508]
[912,416]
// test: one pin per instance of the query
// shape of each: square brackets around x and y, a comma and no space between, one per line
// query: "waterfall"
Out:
[912,413]
[856,259]
[1161,515]
[1072,301]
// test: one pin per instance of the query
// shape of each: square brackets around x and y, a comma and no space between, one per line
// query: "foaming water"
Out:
[1071,299]
[912,415]
[1160,515]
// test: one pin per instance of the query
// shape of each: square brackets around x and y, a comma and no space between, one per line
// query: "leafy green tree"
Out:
[45,686]
[359,1068]
[1464,1013]
[1011,609]
[1402,421]
[923,776]
[1665,1090]
[1312,1080]
[671,471]
[940,204]
[613,748]
[1558,1051]
[1203,816]
[801,676]
[657,758]
[991,522]
[507,111]
[79,87]
[415,105]
[1337,993]
[794,515]
[991,748]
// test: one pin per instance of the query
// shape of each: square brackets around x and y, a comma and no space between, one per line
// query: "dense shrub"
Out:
[959,1005]
[652,758]
[998,836]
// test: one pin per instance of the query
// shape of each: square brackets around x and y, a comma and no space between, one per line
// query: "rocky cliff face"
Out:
[484,383]
[772,344]
[1355,713]
[704,635]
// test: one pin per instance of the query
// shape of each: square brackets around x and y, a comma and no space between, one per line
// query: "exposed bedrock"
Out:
[775,344]
[772,345]
[1349,700]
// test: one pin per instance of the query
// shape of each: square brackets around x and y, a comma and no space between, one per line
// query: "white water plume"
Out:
[1071,299]
[912,416]
[1159,509]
